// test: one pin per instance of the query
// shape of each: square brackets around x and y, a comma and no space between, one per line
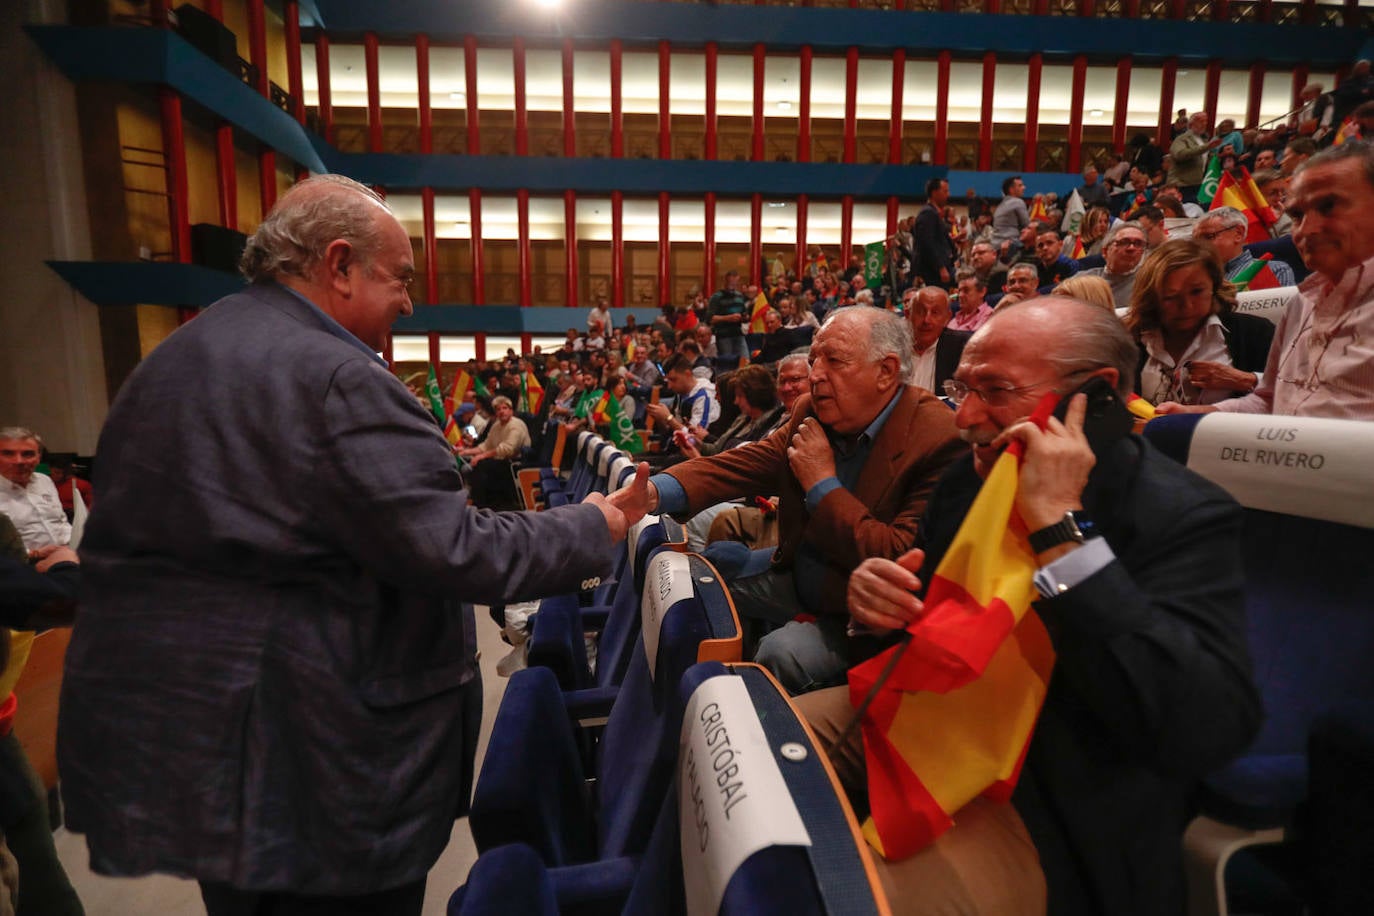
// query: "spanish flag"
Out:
[1038,211]
[760,308]
[1257,275]
[1243,194]
[955,716]
[532,393]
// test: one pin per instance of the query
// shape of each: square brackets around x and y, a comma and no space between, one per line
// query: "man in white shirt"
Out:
[29,499]
[935,348]
[1321,363]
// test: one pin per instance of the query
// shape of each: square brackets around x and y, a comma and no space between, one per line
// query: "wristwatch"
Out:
[1075,527]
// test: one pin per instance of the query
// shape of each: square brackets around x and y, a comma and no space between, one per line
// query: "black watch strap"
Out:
[1074,527]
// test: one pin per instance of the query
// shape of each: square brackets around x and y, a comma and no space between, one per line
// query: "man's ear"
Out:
[340,265]
[889,372]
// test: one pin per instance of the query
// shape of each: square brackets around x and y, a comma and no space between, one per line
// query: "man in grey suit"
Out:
[272,685]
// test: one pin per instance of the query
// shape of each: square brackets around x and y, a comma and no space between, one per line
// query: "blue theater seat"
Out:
[531,788]
[1308,532]
[810,858]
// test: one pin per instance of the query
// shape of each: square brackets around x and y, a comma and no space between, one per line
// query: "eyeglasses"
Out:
[1213,236]
[958,391]
[1129,243]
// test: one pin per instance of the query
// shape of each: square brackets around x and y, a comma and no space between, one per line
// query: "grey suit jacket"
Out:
[265,684]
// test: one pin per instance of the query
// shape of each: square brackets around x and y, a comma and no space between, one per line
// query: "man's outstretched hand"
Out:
[627,505]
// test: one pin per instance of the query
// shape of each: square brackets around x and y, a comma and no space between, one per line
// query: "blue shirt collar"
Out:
[333,327]
[871,432]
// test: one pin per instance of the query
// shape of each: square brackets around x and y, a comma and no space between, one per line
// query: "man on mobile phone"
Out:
[1140,585]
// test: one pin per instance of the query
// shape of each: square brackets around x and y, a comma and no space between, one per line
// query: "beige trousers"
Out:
[985,864]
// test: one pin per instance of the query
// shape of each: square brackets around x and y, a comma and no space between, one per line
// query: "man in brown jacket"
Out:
[853,467]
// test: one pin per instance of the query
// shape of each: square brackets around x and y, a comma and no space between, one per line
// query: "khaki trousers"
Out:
[984,864]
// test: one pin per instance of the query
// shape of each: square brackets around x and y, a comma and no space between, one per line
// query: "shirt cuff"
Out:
[1073,567]
[672,498]
[819,490]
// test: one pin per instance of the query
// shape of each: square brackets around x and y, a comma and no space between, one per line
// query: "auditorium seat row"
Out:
[595,771]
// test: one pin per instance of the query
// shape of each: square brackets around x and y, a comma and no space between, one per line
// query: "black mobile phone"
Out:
[1107,419]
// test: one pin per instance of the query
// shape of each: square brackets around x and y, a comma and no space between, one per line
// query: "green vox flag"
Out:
[436,398]
[480,387]
[589,400]
[623,429]
[1210,179]
[873,264]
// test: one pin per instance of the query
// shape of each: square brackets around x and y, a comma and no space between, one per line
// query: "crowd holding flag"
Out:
[622,428]
[1237,189]
[974,669]
[531,393]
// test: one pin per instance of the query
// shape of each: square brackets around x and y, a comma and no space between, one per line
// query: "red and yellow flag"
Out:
[1243,194]
[1079,251]
[533,392]
[1037,210]
[975,674]
[760,309]
[1141,408]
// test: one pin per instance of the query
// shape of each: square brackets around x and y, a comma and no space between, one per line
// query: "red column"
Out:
[1030,140]
[1254,94]
[178,212]
[664,254]
[291,13]
[617,102]
[431,247]
[257,44]
[617,249]
[710,100]
[570,245]
[1166,100]
[846,229]
[470,80]
[1309,12]
[434,358]
[1178,9]
[708,248]
[326,107]
[985,115]
[757,152]
[802,202]
[1123,103]
[1211,91]
[942,109]
[374,92]
[851,103]
[522,247]
[227,179]
[1266,10]
[804,107]
[522,120]
[526,343]
[422,81]
[479,282]
[569,102]
[1087,8]
[1221,10]
[1352,14]
[894,140]
[1132,9]
[1080,84]
[174,153]
[479,347]
[755,238]
[267,179]
[892,206]
[665,117]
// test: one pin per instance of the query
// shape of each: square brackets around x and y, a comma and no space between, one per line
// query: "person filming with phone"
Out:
[1139,580]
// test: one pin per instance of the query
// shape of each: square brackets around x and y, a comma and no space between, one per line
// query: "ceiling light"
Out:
[458,96]
[549,4]
[784,106]
[1096,112]
[781,230]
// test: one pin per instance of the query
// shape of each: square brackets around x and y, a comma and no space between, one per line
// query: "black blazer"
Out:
[934,248]
[1248,338]
[948,350]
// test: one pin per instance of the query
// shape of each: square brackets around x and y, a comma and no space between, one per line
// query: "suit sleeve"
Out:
[1183,151]
[1158,658]
[386,488]
[757,469]
[25,591]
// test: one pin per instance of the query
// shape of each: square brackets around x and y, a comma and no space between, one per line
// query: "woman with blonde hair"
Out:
[1092,290]
[1194,348]
[1092,231]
